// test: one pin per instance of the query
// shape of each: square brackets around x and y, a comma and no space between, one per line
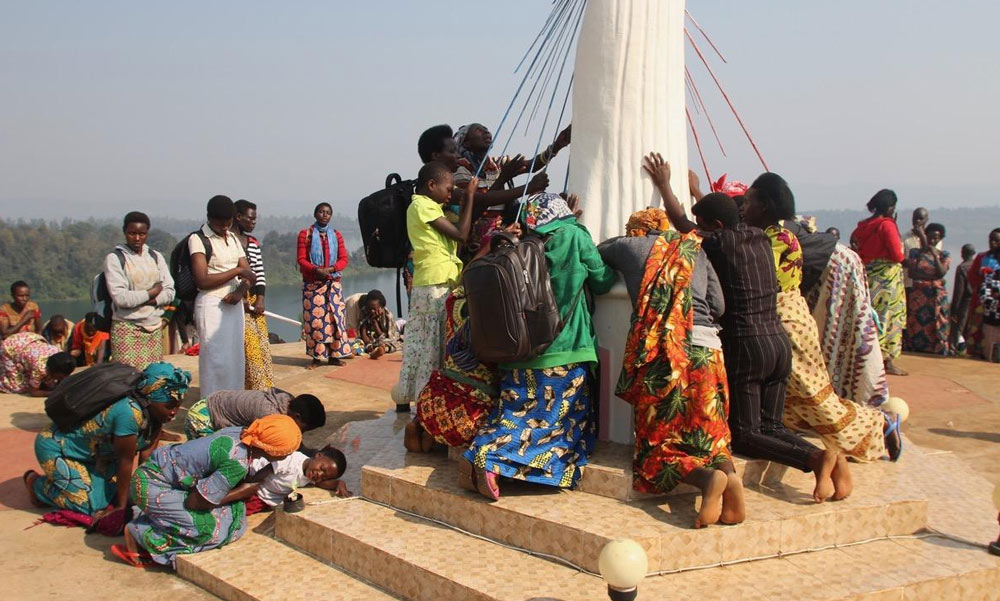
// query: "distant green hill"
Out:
[59,260]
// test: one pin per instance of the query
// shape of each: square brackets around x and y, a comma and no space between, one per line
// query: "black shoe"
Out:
[402,407]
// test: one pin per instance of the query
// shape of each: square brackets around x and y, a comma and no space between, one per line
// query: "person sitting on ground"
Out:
[88,469]
[860,432]
[377,327]
[928,312]
[961,299]
[89,345]
[187,497]
[274,481]
[542,430]
[21,314]
[228,408]
[677,335]
[30,365]
[757,353]
[876,240]
[352,310]
[58,331]
[435,242]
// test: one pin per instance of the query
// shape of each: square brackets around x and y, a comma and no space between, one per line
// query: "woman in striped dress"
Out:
[259,368]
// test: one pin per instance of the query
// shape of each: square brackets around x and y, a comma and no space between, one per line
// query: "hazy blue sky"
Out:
[110,106]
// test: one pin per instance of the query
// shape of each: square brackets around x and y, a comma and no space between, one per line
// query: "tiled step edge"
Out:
[260,568]
[421,561]
[580,524]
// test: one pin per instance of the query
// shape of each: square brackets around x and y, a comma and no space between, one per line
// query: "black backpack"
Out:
[185,288]
[84,394]
[382,218]
[100,297]
[513,315]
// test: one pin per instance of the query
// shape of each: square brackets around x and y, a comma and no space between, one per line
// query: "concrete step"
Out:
[260,568]
[575,526]
[422,561]
[608,473]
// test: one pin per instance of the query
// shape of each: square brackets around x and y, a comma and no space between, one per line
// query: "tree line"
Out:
[60,259]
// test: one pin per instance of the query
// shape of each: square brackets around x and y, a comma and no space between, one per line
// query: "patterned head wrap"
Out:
[545,208]
[161,382]
[646,221]
[460,136]
[275,434]
[731,189]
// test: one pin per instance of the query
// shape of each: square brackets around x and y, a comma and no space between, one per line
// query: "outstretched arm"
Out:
[659,172]
[461,230]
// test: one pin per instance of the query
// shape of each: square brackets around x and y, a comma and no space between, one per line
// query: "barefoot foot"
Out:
[843,482]
[29,483]
[377,353]
[823,464]
[734,509]
[892,370]
[315,363]
[711,499]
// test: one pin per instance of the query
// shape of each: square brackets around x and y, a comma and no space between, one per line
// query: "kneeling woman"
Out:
[858,431]
[542,430]
[184,497]
[88,469]
[673,373]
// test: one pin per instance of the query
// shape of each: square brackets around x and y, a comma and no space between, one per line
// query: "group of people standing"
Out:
[909,292]
[748,326]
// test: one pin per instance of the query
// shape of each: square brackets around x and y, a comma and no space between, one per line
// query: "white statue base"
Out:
[612,317]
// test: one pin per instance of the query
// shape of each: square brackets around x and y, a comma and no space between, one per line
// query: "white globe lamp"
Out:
[623,564]
[896,405]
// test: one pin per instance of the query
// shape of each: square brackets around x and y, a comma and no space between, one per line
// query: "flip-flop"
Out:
[136,560]
[893,427]
[486,484]
[31,489]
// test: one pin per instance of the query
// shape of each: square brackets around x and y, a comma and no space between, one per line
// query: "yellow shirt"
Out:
[788,259]
[435,256]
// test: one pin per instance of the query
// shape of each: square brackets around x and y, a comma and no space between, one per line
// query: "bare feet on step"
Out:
[822,464]
[411,437]
[843,482]
[711,499]
[734,509]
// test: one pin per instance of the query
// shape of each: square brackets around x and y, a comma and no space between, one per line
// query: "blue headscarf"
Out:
[316,248]
[161,382]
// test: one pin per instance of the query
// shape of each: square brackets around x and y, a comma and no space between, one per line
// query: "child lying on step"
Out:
[275,481]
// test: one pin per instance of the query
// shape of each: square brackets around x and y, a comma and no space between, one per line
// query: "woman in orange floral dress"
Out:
[673,372]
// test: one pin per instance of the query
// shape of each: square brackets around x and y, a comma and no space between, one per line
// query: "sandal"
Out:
[478,480]
[895,450]
[30,487]
[136,560]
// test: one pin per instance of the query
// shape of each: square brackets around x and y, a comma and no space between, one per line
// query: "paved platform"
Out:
[953,424]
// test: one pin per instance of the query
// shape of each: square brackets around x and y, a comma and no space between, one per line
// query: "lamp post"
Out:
[623,565]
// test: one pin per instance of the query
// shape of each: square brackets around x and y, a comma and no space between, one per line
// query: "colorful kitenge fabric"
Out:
[542,430]
[22,361]
[885,283]
[199,421]
[984,280]
[422,353]
[380,331]
[79,467]
[324,322]
[132,345]
[213,466]
[928,311]
[459,396]
[259,370]
[848,333]
[811,405]
[678,390]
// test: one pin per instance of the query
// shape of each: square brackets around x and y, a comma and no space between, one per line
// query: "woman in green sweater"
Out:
[542,430]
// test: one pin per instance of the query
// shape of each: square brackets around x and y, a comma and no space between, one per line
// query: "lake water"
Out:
[283,300]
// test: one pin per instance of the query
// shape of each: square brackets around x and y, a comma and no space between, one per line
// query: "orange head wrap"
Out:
[647,220]
[274,434]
